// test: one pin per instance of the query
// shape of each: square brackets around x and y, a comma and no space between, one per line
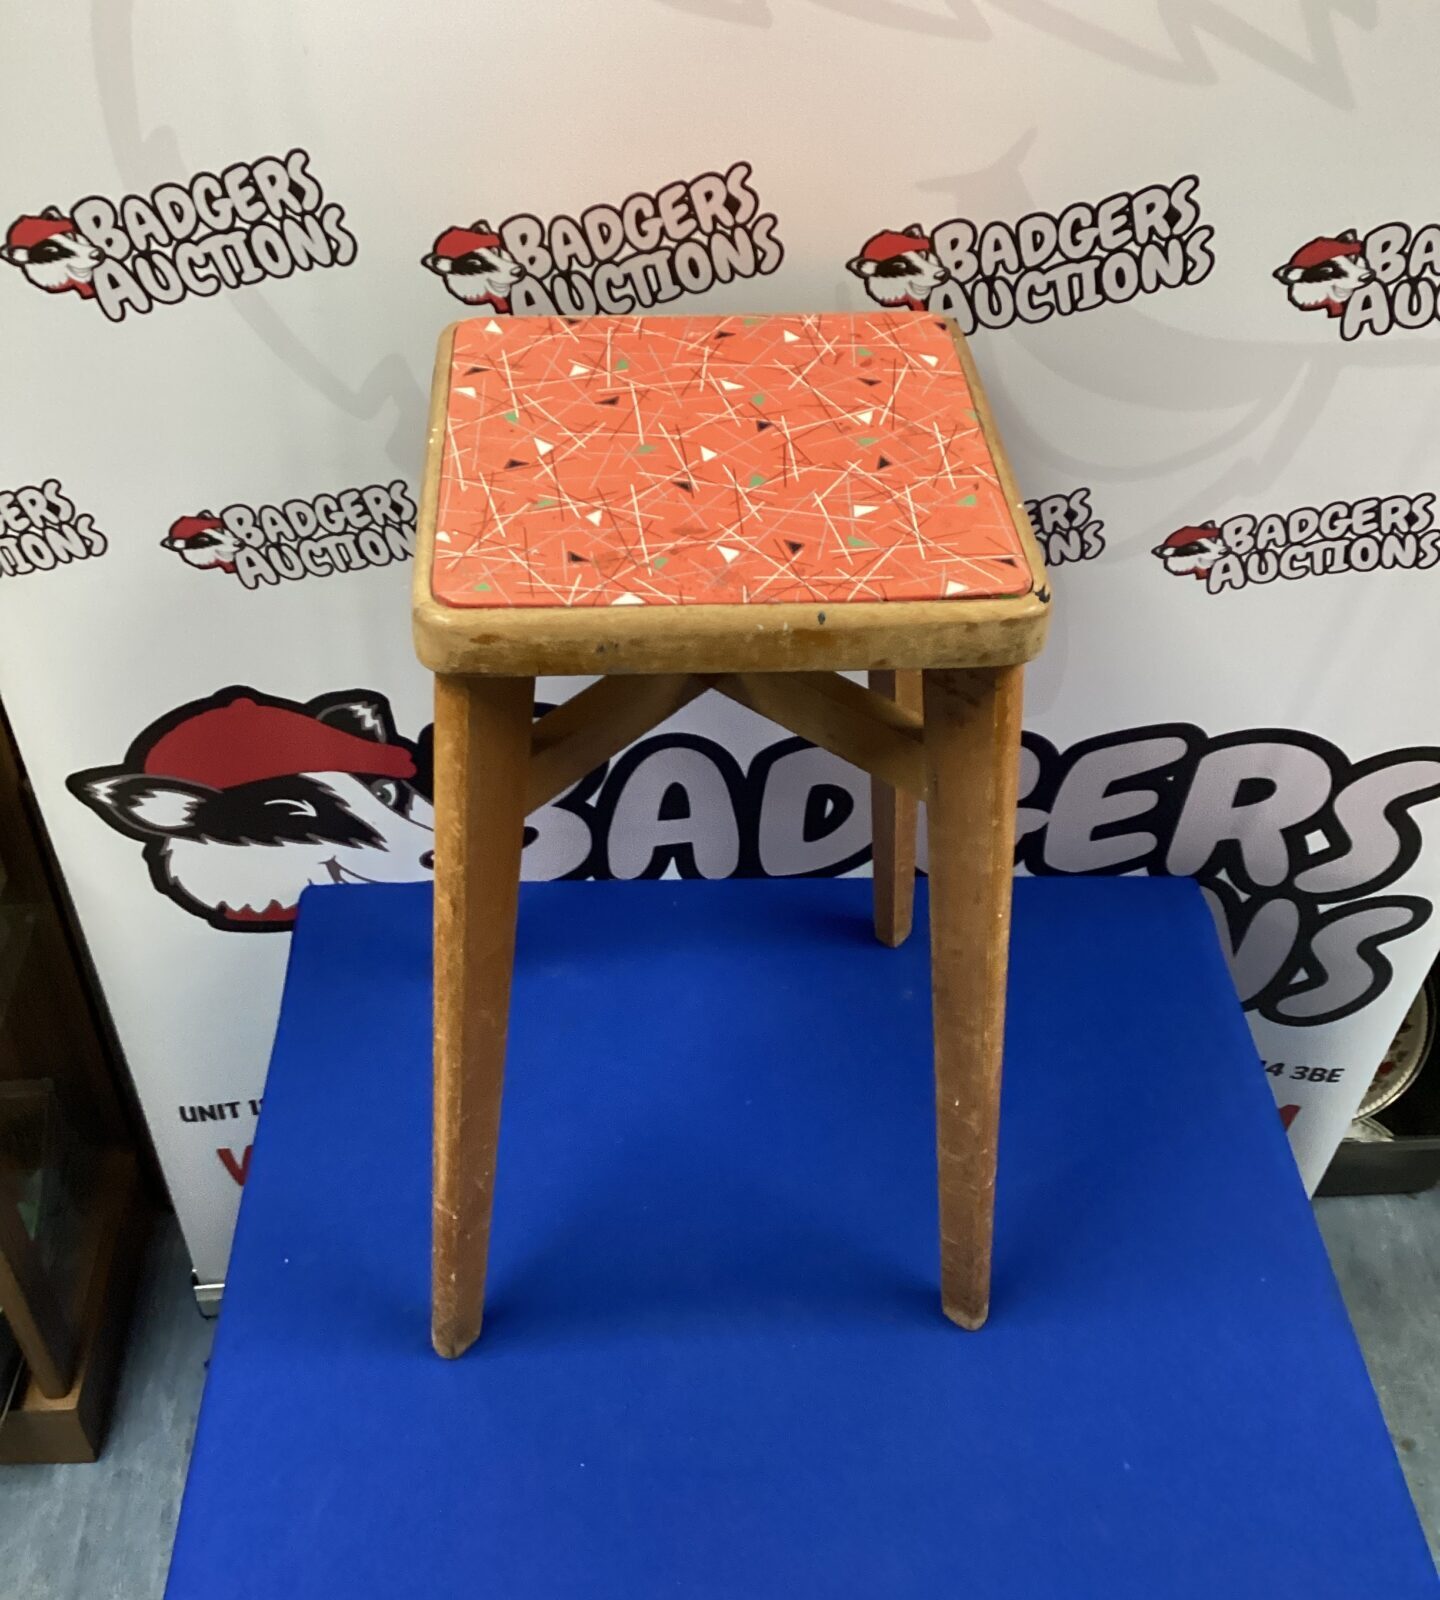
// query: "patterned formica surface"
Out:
[716,460]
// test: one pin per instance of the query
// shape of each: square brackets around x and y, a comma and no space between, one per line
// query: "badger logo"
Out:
[1322,275]
[475,266]
[52,253]
[899,269]
[203,542]
[1191,551]
[241,801]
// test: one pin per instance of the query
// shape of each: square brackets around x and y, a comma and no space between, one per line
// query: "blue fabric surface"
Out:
[714,1363]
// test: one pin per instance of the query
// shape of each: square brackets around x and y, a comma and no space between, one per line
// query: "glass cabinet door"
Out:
[49,1159]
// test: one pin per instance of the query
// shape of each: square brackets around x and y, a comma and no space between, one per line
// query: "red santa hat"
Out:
[26,232]
[456,242]
[1319,251]
[243,742]
[886,246]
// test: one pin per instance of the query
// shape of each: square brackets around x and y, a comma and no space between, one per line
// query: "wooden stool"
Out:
[746,504]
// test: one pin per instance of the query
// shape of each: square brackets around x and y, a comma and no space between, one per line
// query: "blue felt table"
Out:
[714,1363]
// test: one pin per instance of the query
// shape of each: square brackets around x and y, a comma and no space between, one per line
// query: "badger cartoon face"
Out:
[52,254]
[241,802]
[474,266]
[899,269]
[1191,551]
[1322,275]
[202,542]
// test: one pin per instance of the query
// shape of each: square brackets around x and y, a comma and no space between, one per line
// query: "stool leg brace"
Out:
[492,767]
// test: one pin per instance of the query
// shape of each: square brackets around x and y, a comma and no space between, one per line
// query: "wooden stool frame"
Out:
[940,721]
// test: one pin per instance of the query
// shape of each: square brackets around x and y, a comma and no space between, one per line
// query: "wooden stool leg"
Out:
[972,745]
[892,827]
[482,752]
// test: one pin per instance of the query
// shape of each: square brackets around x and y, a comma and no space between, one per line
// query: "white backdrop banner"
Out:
[1197,249]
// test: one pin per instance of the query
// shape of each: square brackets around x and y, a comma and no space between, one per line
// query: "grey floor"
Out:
[103,1531]
[1386,1254]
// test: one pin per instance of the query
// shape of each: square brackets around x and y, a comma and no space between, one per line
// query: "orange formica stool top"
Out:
[717,460]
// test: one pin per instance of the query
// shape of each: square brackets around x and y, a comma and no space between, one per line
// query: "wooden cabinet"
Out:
[71,1215]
